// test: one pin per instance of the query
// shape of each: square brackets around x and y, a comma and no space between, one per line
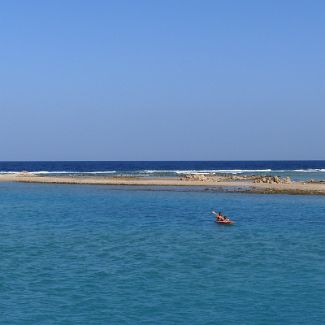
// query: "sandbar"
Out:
[215,183]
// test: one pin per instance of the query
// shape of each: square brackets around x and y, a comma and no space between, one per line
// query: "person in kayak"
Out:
[222,219]
[219,216]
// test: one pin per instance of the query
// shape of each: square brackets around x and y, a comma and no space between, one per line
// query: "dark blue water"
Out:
[93,166]
[298,170]
[102,255]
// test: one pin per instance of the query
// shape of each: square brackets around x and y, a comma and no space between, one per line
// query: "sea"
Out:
[88,254]
[297,170]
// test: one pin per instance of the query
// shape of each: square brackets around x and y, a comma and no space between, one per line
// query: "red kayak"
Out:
[226,222]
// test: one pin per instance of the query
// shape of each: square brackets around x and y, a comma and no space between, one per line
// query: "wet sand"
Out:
[214,183]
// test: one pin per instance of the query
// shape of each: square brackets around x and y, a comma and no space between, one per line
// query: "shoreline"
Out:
[221,184]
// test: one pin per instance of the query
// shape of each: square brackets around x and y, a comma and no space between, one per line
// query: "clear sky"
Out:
[162,80]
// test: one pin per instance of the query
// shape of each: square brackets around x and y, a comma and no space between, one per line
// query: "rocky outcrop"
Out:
[287,180]
[195,177]
[272,180]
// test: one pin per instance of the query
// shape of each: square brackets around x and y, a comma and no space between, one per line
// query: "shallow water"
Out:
[103,255]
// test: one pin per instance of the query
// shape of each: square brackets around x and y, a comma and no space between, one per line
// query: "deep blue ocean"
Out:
[297,170]
[74,254]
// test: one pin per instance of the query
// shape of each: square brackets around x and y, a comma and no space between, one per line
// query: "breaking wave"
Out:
[152,172]
[45,172]
[321,170]
[208,171]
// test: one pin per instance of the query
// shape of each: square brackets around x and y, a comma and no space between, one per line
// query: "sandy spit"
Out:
[217,183]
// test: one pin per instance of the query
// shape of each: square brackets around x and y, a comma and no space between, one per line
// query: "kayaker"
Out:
[219,216]
[222,219]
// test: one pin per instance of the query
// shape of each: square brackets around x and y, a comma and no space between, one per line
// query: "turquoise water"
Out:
[103,255]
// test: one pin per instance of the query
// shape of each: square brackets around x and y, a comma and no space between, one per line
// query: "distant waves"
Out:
[299,170]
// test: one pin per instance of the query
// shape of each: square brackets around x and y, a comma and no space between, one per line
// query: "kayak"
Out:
[225,222]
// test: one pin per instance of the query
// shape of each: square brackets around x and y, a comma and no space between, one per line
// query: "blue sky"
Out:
[162,80]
